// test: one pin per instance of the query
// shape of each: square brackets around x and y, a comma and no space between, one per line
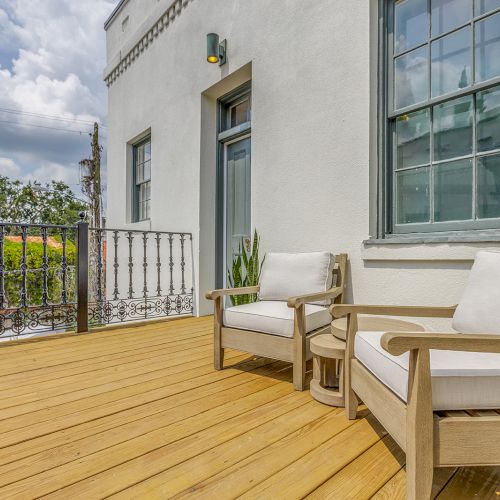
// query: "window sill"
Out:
[445,247]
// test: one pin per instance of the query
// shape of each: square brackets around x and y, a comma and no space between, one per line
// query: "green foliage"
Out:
[34,260]
[245,271]
[54,204]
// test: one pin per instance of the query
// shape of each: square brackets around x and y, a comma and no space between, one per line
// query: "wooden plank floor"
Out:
[140,413]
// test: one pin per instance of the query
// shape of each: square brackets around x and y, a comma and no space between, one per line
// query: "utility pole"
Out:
[90,178]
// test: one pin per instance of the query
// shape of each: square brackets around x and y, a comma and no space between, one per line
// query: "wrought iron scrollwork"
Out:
[151,278]
[41,294]
[36,292]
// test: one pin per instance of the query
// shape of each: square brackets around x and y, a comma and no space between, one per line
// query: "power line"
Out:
[87,132]
[47,117]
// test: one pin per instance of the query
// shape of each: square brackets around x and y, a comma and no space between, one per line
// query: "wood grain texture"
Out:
[140,412]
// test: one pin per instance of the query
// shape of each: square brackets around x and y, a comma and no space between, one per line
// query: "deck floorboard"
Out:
[140,412]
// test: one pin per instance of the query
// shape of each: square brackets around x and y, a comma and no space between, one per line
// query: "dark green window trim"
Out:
[141,182]
[226,133]
[386,116]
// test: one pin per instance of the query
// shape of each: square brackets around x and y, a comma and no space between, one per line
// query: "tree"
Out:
[55,204]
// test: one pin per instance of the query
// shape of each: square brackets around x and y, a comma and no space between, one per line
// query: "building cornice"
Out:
[115,12]
[144,37]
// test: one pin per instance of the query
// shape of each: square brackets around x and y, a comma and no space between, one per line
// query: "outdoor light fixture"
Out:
[216,52]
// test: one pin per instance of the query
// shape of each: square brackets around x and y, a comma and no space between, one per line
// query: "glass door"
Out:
[237,199]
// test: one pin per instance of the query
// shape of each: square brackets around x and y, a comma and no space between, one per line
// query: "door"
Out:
[237,199]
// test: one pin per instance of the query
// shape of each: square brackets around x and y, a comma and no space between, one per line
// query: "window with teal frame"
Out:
[441,131]
[142,180]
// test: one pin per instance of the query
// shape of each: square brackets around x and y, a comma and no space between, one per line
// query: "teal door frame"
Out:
[226,135]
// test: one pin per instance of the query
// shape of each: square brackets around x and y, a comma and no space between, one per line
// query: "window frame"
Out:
[137,186]
[387,115]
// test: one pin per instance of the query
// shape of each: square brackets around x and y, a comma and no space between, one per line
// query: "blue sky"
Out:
[52,55]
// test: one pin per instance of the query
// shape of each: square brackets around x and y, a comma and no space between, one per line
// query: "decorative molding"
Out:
[145,39]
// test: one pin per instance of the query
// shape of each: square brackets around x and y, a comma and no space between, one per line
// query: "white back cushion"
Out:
[286,275]
[479,308]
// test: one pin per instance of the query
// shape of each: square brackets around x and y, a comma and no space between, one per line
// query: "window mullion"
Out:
[431,163]
[474,157]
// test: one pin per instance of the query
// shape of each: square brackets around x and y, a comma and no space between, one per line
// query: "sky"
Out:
[52,56]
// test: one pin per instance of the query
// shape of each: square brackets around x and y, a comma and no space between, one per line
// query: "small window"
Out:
[239,113]
[442,115]
[236,109]
[142,180]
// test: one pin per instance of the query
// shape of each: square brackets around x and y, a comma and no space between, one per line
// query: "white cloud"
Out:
[52,54]
[53,171]
[9,168]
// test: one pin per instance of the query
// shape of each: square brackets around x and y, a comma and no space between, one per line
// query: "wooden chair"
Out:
[456,436]
[294,349]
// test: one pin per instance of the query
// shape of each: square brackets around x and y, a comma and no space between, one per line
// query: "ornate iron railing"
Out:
[56,278]
[37,278]
[139,275]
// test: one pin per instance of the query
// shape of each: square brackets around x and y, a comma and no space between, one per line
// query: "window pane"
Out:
[139,173]
[450,69]
[139,154]
[452,127]
[453,191]
[448,14]
[147,151]
[411,24]
[412,195]
[147,170]
[411,80]
[488,186]
[413,139]
[483,6]
[240,113]
[488,119]
[488,48]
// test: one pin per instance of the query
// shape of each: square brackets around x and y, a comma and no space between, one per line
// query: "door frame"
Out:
[225,137]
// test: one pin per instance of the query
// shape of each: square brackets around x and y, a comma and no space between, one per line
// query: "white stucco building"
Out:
[370,127]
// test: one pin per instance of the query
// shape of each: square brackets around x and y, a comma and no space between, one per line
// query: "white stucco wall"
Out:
[313,71]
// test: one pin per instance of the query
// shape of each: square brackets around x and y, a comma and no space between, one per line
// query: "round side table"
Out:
[328,350]
[327,384]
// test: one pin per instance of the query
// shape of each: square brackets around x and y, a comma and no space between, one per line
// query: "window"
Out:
[142,180]
[239,113]
[442,130]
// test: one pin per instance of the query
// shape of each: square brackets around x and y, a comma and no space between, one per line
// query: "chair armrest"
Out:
[396,343]
[213,294]
[298,300]
[340,310]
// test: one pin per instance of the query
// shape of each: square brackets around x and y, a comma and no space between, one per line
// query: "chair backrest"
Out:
[478,310]
[340,275]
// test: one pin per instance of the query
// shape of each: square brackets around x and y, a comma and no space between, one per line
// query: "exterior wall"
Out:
[314,160]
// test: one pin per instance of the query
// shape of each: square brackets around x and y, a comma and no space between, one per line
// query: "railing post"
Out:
[82,315]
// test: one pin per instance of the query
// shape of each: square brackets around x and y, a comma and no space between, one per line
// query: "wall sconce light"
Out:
[216,52]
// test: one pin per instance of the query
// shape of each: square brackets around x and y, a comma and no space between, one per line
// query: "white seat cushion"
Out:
[273,317]
[286,275]
[478,310]
[460,380]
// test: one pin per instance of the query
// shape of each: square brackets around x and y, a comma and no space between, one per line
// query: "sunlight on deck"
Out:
[140,413]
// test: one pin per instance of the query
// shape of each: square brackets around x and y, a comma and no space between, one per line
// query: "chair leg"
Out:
[299,375]
[218,349]
[299,363]
[350,398]
[418,479]
[351,404]
[419,428]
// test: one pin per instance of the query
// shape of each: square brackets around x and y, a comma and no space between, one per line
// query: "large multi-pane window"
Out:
[142,180]
[443,114]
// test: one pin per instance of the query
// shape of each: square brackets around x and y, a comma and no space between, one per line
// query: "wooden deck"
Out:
[140,413]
